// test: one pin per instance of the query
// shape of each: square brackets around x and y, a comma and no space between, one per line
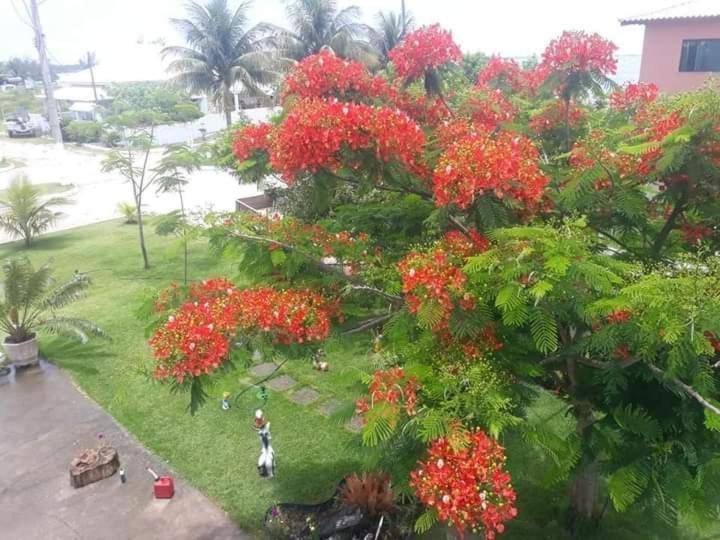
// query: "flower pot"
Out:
[22,354]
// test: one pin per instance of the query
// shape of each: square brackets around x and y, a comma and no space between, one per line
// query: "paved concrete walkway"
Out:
[44,422]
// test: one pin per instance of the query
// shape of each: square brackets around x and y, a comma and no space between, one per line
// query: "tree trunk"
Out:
[584,511]
[567,125]
[141,231]
[184,233]
[228,105]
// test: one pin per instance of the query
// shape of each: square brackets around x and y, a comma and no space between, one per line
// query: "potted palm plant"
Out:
[30,302]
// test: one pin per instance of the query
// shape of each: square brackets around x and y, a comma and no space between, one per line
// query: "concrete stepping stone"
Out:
[304,396]
[281,383]
[355,424]
[329,407]
[263,370]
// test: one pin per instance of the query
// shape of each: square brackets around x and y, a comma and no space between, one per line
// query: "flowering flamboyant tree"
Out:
[506,240]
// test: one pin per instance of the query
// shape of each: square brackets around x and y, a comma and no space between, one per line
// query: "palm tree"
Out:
[388,32]
[22,214]
[31,300]
[221,52]
[318,24]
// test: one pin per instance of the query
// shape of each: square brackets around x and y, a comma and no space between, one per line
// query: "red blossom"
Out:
[553,116]
[466,484]
[633,96]
[316,132]
[250,139]
[393,387]
[426,48]
[502,73]
[436,275]
[619,316]
[714,341]
[503,164]
[326,75]
[489,108]
[195,340]
[574,52]
[694,233]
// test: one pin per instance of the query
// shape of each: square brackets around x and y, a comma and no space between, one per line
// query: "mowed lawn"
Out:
[214,450]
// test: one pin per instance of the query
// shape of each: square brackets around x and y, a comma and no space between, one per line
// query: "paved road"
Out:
[44,422]
[96,194]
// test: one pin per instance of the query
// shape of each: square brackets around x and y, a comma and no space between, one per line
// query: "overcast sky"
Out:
[113,28]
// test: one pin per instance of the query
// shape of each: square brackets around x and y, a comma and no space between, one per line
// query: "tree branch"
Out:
[378,292]
[366,325]
[689,390]
[678,209]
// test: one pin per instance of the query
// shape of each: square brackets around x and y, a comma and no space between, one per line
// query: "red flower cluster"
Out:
[311,237]
[465,245]
[577,51]
[250,139]
[693,234]
[195,340]
[436,275]
[714,341]
[326,75]
[619,316]
[633,96]
[505,164]
[421,108]
[316,132]
[553,116]
[661,125]
[467,485]
[393,387]
[502,73]
[489,109]
[425,48]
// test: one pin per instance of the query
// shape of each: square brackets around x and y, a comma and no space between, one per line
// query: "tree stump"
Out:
[93,465]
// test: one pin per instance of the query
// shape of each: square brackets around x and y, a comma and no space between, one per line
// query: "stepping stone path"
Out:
[263,370]
[304,396]
[329,407]
[355,424]
[281,383]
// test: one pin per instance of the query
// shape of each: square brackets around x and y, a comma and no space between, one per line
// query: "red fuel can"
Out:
[164,487]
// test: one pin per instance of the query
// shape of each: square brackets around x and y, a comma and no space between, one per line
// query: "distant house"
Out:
[682,45]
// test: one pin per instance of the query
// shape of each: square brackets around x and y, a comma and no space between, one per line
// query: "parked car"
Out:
[24,125]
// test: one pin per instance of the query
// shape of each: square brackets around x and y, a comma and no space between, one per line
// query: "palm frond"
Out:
[74,328]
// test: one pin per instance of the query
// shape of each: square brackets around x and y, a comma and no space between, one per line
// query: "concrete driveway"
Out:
[44,422]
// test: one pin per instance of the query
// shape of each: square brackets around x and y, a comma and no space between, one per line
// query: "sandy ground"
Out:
[96,194]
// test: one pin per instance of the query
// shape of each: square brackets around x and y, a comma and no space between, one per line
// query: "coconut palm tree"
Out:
[319,24]
[388,31]
[221,52]
[22,214]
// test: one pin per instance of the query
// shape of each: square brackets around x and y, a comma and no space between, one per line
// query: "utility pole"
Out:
[53,117]
[402,14]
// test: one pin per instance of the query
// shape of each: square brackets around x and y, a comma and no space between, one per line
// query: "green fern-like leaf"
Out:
[637,421]
[425,522]
[543,328]
[626,484]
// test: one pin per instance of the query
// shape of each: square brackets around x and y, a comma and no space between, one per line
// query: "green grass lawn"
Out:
[215,450]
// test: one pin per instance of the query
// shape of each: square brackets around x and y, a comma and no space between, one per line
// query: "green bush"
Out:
[84,132]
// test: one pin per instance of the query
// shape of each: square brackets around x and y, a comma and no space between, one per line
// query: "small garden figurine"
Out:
[266,461]
[226,401]
[318,362]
